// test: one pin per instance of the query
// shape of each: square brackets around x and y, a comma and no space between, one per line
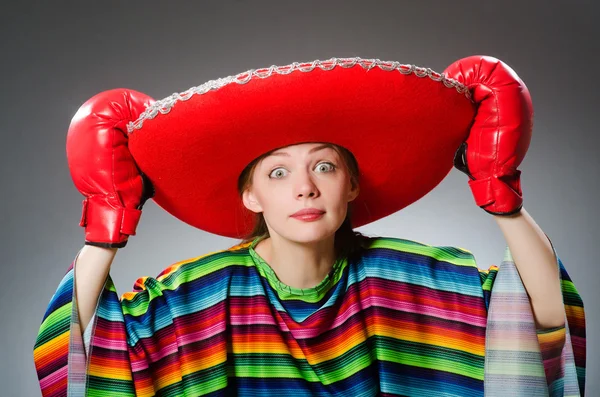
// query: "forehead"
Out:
[301,148]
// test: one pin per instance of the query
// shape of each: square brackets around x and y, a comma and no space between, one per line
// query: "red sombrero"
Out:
[402,123]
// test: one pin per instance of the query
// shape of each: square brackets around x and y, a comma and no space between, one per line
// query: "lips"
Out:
[308,211]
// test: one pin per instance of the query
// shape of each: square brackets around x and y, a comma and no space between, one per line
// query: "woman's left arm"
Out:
[534,258]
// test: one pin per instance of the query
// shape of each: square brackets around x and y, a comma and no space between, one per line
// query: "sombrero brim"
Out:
[402,123]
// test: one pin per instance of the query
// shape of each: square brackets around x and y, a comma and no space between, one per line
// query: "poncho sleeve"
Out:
[124,334]
[521,359]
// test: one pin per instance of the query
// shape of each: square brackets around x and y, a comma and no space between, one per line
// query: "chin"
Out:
[309,233]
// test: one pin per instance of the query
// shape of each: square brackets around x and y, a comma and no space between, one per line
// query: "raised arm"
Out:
[91,269]
[115,190]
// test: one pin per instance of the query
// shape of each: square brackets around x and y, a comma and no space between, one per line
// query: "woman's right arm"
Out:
[91,269]
[115,190]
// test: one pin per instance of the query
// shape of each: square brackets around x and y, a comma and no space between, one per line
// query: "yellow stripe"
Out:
[42,352]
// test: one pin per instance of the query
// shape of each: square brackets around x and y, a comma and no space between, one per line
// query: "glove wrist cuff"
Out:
[498,195]
[106,223]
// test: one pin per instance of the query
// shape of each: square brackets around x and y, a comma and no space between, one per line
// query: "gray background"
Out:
[56,55]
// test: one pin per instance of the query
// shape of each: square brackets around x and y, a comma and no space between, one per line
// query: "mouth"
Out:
[307,217]
[307,212]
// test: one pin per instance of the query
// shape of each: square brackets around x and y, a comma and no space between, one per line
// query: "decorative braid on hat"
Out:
[164,106]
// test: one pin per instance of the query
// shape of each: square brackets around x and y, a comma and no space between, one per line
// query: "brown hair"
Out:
[348,242]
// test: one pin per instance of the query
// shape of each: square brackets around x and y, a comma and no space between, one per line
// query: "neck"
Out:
[299,265]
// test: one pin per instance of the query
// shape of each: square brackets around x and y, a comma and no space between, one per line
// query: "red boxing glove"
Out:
[103,169]
[500,134]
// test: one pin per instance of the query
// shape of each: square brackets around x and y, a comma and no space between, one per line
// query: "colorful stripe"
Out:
[405,319]
[515,348]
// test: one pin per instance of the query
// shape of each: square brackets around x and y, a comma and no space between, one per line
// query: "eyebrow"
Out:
[311,151]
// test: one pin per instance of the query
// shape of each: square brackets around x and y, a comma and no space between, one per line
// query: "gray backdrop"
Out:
[56,55]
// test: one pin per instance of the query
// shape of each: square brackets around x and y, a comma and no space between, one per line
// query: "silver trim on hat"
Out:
[165,105]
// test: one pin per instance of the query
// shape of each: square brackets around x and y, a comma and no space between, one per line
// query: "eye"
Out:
[331,166]
[279,173]
[324,166]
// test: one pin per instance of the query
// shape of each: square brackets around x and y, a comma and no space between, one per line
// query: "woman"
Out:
[306,305]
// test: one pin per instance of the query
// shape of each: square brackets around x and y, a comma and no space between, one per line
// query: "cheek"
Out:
[340,192]
[273,204]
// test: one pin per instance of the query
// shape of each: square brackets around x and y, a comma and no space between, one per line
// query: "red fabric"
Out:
[501,132]
[403,130]
[102,167]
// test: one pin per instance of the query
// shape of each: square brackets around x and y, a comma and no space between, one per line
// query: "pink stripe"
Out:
[252,319]
[112,344]
[54,377]
[206,333]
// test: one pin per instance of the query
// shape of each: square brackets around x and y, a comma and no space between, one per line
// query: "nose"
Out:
[305,186]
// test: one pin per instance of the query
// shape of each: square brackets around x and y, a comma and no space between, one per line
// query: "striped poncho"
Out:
[401,319]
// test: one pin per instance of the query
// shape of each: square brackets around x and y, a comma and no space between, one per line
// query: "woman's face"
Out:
[301,176]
